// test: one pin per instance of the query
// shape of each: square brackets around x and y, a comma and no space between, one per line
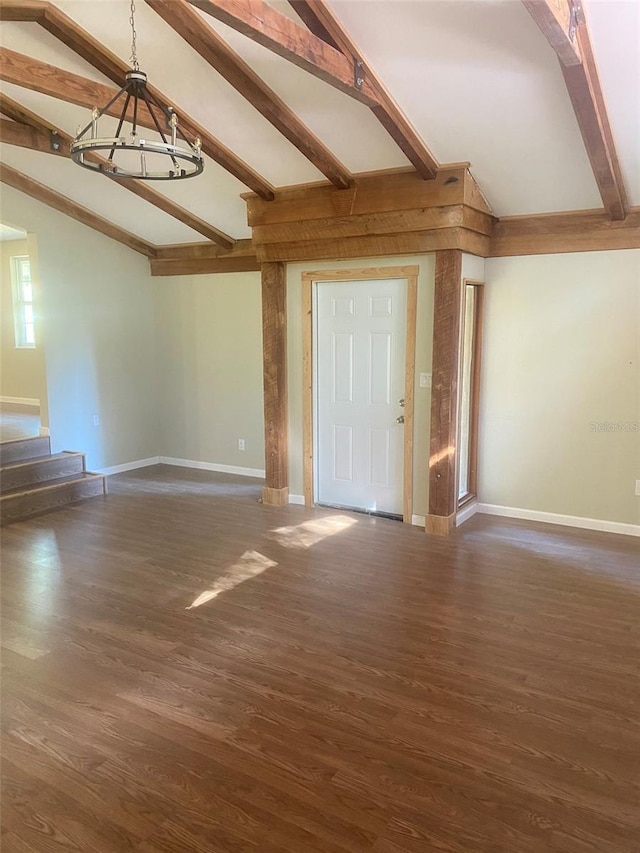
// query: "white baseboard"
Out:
[418,520]
[129,466]
[567,520]
[44,432]
[20,401]
[466,513]
[213,466]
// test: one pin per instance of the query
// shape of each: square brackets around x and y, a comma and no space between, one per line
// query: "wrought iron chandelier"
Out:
[131,155]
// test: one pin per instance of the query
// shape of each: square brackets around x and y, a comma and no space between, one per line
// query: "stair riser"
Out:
[41,472]
[27,448]
[25,505]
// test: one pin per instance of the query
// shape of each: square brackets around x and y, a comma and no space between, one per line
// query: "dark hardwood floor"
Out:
[187,671]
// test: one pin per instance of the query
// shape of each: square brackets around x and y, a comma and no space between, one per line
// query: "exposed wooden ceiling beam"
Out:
[578,231]
[47,196]
[90,49]
[22,10]
[385,110]
[55,82]
[202,258]
[193,29]
[25,136]
[262,23]
[558,24]
[305,13]
[28,130]
[583,85]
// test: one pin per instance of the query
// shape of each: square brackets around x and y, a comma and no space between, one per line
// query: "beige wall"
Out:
[99,336]
[424,339]
[210,361]
[562,353]
[22,370]
[173,366]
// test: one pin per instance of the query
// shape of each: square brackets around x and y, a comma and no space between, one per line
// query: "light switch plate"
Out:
[425,380]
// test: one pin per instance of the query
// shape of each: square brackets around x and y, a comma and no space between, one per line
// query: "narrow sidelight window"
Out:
[23,314]
[469,391]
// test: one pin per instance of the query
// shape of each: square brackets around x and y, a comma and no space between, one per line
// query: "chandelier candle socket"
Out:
[129,154]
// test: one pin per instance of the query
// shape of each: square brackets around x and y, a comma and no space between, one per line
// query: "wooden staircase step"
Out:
[17,449]
[22,502]
[40,469]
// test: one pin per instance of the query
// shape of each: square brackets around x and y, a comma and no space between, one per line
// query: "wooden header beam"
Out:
[384,214]
[205,41]
[32,188]
[90,49]
[28,130]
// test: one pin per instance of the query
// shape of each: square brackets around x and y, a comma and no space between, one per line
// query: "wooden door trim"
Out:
[410,273]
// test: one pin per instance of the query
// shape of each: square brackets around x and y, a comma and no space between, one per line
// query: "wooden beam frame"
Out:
[205,41]
[276,425]
[262,23]
[443,441]
[28,130]
[583,84]
[32,188]
[385,108]
[90,49]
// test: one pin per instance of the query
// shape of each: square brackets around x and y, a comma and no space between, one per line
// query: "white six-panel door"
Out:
[360,330]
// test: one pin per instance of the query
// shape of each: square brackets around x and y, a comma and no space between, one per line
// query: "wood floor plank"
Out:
[186,669]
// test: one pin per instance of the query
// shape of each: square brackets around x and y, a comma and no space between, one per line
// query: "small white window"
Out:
[23,316]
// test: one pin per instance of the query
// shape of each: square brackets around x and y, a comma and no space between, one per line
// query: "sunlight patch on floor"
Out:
[311,532]
[250,564]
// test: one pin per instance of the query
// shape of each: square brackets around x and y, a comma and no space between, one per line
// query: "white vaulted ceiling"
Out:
[476,78]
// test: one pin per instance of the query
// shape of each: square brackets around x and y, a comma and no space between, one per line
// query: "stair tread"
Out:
[34,460]
[22,438]
[51,484]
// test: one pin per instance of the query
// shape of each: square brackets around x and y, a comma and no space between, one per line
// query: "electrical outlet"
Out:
[96,420]
[241,444]
[638,487]
[425,380]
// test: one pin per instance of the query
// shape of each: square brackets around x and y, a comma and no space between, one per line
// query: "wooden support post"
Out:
[444,393]
[274,348]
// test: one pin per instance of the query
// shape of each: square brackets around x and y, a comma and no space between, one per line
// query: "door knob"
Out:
[401,402]
[400,419]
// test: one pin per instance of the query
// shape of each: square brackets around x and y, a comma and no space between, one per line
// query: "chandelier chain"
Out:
[134,35]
